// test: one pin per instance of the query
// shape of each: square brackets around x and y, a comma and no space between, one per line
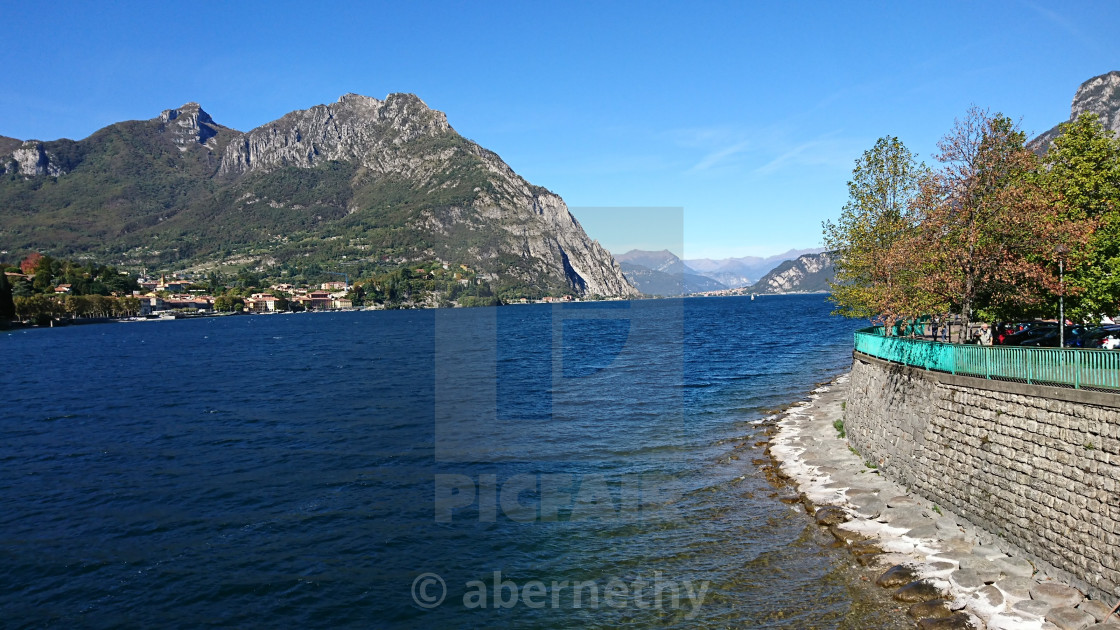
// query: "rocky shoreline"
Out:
[951,574]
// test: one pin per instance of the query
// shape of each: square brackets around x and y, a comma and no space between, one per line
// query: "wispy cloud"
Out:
[742,148]
[826,150]
[715,157]
[611,163]
[715,144]
[1055,18]
[1065,24]
[796,154]
[702,137]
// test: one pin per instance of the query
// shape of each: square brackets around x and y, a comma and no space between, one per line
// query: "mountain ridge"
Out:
[701,274]
[661,273]
[808,273]
[366,181]
[743,271]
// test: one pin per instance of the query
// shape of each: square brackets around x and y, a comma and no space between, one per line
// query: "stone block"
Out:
[1067,618]
[1057,595]
[984,569]
[831,515]
[1014,567]
[966,579]
[1097,609]
[933,609]
[1015,587]
[986,601]
[1033,607]
[921,591]
[897,575]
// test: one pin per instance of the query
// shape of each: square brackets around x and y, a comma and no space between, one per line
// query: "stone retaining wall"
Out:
[1037,467]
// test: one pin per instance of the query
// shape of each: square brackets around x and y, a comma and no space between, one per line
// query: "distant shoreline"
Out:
[83,321]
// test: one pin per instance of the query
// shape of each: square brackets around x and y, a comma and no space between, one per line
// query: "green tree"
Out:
[70,304]
[870,280]
[21,288]
[357,294]
[24,306]
[44,279]
[38,308]
[130,305]
[99,305]
[247,279]
[215,283]
[113,281]
[227,303]
[1083,172]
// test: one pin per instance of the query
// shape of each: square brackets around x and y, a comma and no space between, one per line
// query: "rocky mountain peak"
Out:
[189,125]
[32,159]
[808,273]
[190,110]
[1099,95]
[356,128]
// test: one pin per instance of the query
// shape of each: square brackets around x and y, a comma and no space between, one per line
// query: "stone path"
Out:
[954,575]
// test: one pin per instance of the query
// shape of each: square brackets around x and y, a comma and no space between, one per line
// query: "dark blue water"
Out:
[454,468]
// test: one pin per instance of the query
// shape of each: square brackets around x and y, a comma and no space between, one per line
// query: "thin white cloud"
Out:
[703,137]
[714,158]
[1065,24]
[825,150]
[1055,18]
[789,156]
[604,164]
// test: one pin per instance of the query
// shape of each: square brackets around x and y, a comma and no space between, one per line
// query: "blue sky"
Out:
[748,115]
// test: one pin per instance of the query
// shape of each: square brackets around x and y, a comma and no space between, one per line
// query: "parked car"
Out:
[1096,337]
[1073,338]
[1028,331]
[1003,330]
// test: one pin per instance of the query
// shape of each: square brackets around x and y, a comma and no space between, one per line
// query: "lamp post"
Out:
[1061,251]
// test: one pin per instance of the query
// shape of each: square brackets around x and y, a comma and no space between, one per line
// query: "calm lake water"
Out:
[585,465]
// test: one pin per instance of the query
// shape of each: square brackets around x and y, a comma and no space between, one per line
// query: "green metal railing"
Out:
[1077,368]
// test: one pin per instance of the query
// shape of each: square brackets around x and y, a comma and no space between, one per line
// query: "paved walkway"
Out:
[952,573]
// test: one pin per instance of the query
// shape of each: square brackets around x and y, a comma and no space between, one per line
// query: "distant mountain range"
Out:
[744,271]
[359,184]
[663,273]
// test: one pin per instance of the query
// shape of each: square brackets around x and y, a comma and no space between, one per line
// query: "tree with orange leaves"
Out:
[30,264]
[988,235]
